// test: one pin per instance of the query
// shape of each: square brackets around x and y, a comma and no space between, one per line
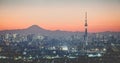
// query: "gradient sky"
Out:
[103,15]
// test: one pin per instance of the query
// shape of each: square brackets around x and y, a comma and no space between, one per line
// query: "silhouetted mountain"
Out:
[35,27]
[32,29]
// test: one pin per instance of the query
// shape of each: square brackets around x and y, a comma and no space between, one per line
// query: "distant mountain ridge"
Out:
[34,29]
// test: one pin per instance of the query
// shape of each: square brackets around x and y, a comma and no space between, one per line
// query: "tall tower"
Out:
[86,32]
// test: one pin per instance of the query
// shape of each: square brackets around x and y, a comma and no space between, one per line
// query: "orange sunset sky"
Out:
[68,15]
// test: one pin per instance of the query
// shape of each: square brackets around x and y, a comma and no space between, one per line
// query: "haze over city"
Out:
[68,15]
[59,31]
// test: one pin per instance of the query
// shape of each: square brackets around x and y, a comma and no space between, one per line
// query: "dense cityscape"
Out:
[24,46]
[59,31]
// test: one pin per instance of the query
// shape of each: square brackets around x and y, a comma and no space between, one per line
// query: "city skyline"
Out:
[65,15]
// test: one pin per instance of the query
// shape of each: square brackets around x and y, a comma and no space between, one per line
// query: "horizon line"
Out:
[58,30]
